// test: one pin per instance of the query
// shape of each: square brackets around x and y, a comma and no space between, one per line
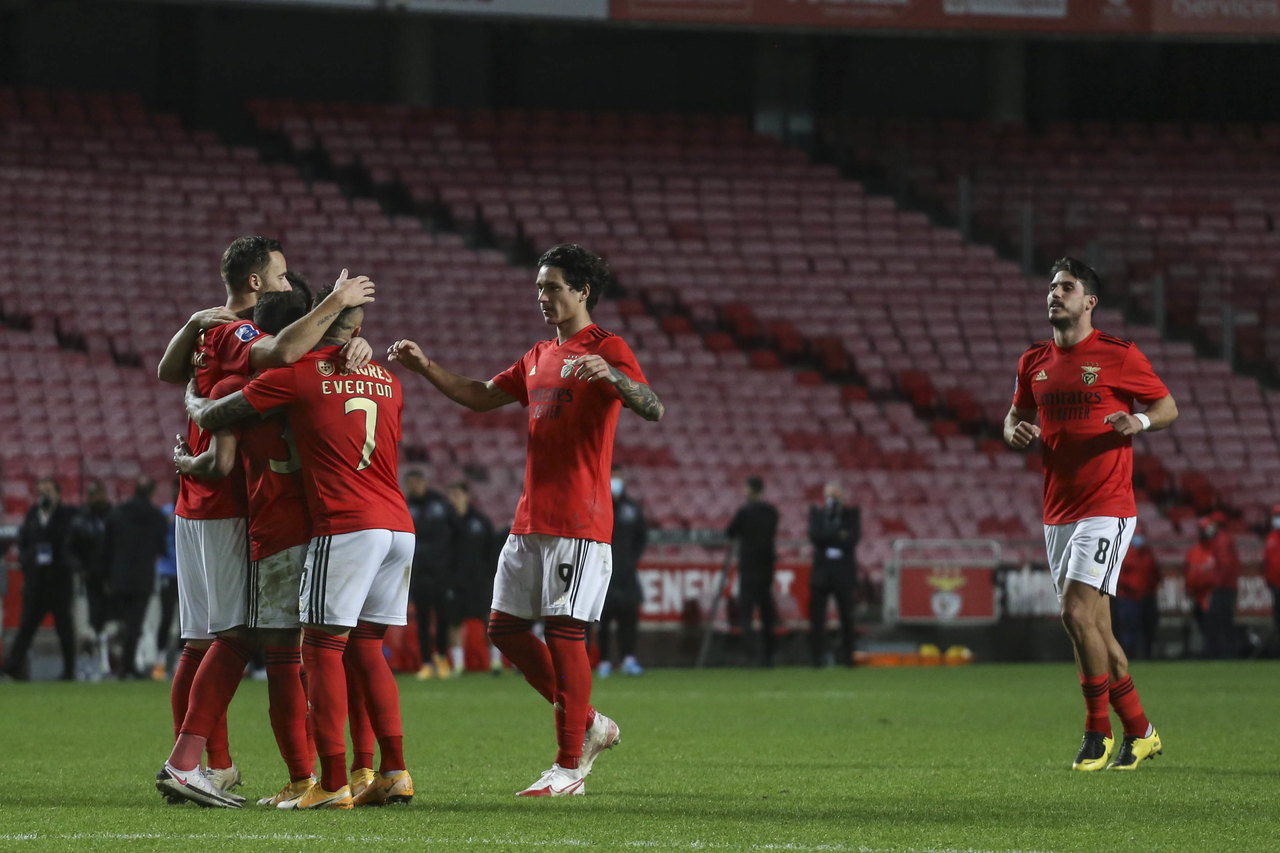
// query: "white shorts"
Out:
[274,582]
[213,564]
[540,575]
[361,576]
[1089,551]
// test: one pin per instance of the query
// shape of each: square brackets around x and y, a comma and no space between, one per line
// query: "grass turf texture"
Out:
[971,758]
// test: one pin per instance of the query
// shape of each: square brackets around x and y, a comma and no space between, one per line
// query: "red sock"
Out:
[514,637]
[327,692]
[311,728]
[217,749]
[382,696]
[1097,718]
[1124,698]
[211,691]
[566,643]
[288,709]
[362,741]
[180,690]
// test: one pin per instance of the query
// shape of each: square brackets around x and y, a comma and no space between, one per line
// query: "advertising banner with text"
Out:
[1217,17]
[1075,16]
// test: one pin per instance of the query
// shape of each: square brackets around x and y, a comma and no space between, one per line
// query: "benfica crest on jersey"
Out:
[1089,373]
[568,366]
[324,368]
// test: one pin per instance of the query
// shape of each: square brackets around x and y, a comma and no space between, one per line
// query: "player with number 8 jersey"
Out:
[1083,385]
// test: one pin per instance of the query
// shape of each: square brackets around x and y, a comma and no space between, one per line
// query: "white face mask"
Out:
[615,486]
[1139,541]
[1275,523]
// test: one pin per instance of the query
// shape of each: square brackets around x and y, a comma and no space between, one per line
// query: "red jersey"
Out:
[1088,466]
[278,517]
[1271,559]
[571,427]
[347,429]
[1139,576]
[220,352]
[1226,560]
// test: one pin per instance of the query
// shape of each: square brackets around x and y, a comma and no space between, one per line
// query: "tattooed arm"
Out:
[636,396]
[301,336]
[217,414]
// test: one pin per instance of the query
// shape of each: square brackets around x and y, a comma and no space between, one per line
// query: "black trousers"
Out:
[168,606]
[431,600]
[39,599]
[130,609]
[756,593]
[824,585]
[1220,625]
[624,615]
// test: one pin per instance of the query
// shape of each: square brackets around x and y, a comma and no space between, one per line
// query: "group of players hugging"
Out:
[292,532]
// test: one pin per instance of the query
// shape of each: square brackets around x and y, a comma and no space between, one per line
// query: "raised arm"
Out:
[214,463]
[636,396]
[301,336]
[217,414]
[477,395]
[1019,431]
[175,364]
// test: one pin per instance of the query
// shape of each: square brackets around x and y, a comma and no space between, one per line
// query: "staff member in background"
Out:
[477,562]
[755,526]
[1135,612]
[431,586]
[1220,616]
[834,530]
[47,564]
[1271,569]
[135,540]
[622,601]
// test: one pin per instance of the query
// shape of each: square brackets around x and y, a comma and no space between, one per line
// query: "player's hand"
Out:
[181,454]
[593,367]
[410,355]
[1124,423]
[1023,434]
[353,291]
[356,354]
[210,317]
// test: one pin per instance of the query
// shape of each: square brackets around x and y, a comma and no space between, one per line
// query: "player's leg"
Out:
[363,742]
[386,604]
[575,580]
[516,601]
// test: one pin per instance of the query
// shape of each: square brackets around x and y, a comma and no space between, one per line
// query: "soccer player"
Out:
[356,579]
[1084,384]
[279,530]
[556,563]
[211,527]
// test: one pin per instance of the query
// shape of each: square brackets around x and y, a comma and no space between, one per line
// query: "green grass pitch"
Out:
[964,759]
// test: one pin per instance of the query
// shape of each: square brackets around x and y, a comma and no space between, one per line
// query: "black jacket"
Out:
[834,529]
[755,526]
[477,562]
[136,534]
[44,549]
[89,540]
[435,523]
[630,536]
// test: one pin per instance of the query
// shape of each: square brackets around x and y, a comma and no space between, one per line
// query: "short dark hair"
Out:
[279,308]
[299,283]
[580,268]
[1082,272]
[755,483]
[57,487]
[461,485]
[349,318]
[244,257]
[144,487]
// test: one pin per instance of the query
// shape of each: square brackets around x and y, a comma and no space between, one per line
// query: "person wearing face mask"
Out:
[622,601]
[1134,607]
[1271,567]
[47,570]
[1220,618]
[88,542]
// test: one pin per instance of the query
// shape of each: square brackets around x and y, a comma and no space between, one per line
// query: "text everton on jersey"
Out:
[350,385]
